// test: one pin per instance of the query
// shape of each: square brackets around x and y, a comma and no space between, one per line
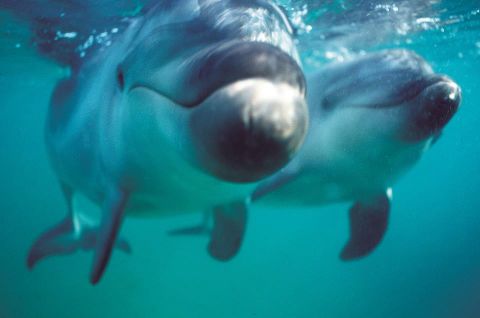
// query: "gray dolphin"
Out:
[185,109]
[371,119]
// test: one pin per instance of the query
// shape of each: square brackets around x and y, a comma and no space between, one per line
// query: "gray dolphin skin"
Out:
[186,109]
[371,119]
[201,105]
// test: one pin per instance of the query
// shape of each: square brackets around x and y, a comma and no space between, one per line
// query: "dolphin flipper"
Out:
[59,240]
[368,224]
[226,233]
[73,233]
[229,223]
[112,217]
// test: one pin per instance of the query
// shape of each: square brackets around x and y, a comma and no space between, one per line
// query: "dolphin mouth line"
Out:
[400,96]
[177,102]
[426,83]
[197,102]
[409,93]
[159,93]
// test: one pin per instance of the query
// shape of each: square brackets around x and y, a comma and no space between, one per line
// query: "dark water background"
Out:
[427,266]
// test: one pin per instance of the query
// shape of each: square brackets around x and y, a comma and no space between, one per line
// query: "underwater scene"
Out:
[239,158]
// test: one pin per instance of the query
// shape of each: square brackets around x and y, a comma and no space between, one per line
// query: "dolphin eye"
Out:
[120,79]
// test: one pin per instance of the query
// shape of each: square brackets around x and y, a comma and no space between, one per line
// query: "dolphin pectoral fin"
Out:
[75,232]
[112,217]
[62,239]
[90,238]
[368,224]
[229,223]
[59,240]
[196,230]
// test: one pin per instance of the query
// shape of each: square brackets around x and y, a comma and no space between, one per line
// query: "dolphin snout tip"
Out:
[440,102]
[250,129]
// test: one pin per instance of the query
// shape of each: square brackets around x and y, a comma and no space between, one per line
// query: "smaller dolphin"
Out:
[371,119]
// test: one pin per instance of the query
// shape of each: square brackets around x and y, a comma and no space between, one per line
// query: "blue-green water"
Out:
[427,266]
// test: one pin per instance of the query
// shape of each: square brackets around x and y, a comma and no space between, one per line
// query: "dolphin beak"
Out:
[249,129]
[440,101]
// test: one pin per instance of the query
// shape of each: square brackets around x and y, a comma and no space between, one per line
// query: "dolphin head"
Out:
[393,81]
[379,112]
[237,104]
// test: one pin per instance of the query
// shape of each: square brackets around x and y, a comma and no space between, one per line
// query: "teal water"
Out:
[427,266]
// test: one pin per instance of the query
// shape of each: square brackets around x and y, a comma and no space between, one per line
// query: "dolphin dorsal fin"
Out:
[66,31]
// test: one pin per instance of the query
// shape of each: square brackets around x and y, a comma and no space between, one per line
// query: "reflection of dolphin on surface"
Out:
[371,119]
[185,110]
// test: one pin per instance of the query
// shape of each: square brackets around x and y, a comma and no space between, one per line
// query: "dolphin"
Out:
[371,120]
[185,108]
